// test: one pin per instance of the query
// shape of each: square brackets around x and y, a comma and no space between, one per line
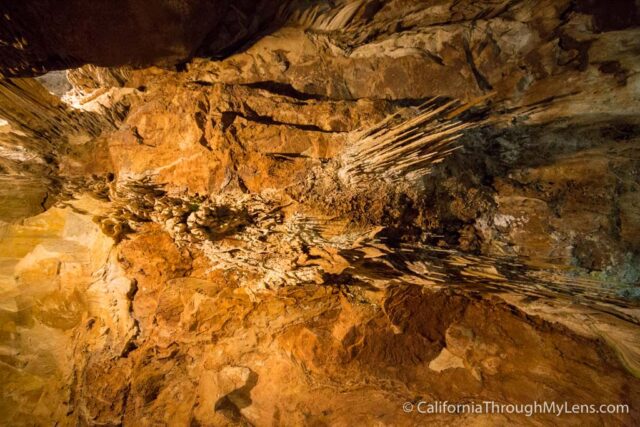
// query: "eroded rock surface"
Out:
[363,204]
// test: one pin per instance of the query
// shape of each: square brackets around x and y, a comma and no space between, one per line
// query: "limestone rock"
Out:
[311,212]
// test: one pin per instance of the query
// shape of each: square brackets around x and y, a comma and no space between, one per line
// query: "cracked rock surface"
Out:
[218,213]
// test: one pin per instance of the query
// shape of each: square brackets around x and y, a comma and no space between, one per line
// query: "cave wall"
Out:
[192,246]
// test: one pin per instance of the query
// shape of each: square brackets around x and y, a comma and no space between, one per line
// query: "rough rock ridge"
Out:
[312,212]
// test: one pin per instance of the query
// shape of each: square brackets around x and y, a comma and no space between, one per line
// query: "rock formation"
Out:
[311,212]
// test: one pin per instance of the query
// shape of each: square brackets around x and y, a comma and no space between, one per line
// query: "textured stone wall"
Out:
[226,218]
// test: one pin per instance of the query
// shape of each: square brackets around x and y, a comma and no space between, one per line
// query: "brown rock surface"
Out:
[354,205]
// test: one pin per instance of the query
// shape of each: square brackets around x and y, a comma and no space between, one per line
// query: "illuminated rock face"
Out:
[372,203]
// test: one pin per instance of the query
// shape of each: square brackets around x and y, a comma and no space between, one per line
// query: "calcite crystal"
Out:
[318,212]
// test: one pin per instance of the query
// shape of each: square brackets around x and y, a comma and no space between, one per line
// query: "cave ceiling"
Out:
[313,212]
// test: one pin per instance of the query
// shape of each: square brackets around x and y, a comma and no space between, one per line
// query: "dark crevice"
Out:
[286,157]
[435,58]
[285,89]
[43,203]
[266,120]
[131,343]
[577,51]
[202,83]
[483,83]
[201,122]
[231,404]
